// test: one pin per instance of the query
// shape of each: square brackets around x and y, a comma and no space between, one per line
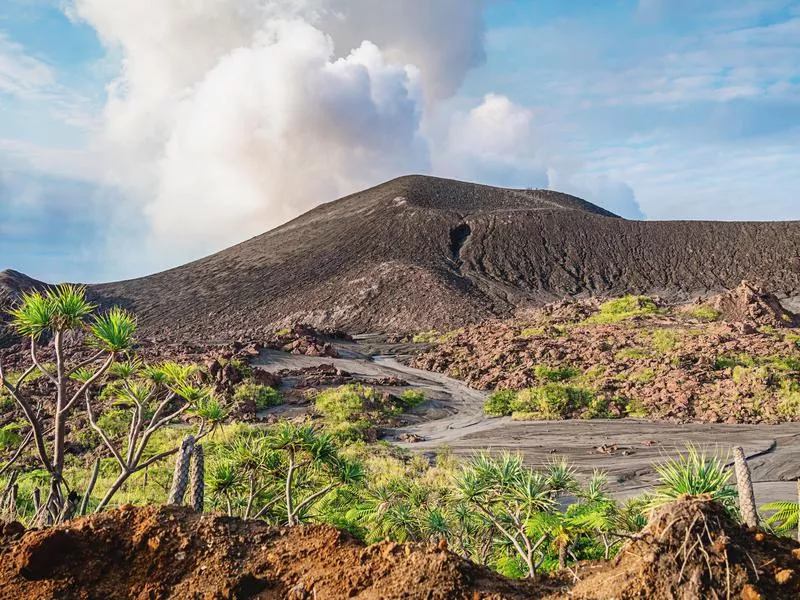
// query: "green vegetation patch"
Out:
[551,401]
[555,374]
[634,353]
[704,313]
[643,376]
[9,436]
[621,309]
[664,340]
[354,408]
[262,396]
[498,403]
[412,399]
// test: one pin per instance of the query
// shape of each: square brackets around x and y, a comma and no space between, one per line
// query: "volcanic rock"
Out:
[753,304]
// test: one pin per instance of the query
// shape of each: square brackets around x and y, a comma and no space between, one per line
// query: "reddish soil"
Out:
[692,550]
[169,552]
[420,253]
[689,550]
[666,366]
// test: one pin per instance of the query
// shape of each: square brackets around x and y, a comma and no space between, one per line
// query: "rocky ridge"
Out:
[667,365]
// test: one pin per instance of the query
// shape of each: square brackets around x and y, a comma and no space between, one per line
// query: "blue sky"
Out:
[658,109]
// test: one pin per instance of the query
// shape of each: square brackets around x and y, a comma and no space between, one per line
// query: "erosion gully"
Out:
[626,449]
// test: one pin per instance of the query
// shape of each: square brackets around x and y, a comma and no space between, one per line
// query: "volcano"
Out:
[420,253]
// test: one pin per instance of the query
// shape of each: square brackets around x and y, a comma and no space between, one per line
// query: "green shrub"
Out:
[512,567]
[263,396]
[425,337]
[634,353]
[499,403]
[789,405]
[9,436]
[647,375]
[704,313]
[727,361]
[349,431]
[694,474]
[551,401]
[412,398]
[749,375]
[547,373]
[344,402]
[664,340]
[624,308]
[531,332]
[636,408]
[599,408]
[785,363]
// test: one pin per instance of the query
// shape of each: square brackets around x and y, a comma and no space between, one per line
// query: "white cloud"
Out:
[499,142]
[274,129]
[230,117]
[494,143]
[20,74]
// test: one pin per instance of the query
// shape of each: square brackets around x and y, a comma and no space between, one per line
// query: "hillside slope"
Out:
[420,253]
[12,285]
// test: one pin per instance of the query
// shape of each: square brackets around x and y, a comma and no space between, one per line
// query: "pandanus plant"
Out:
[48,318]
[509,495]
[155,395]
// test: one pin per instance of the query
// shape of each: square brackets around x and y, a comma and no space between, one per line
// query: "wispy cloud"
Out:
[23,75]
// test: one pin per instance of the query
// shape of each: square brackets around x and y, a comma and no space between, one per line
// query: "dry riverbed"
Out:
[626,448]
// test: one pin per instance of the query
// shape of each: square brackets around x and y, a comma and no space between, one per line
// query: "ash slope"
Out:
[12,285]
[421,253]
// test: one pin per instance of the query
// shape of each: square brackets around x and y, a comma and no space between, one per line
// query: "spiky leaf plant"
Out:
[694,473]
[785,517]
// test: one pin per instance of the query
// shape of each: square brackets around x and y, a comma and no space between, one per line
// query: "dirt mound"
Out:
[692,550]
[750,303]
[421,253]
[171,552]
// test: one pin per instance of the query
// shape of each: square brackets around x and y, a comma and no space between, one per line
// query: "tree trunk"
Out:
[180,477]
[562,557]
[89,488]
[59,432]
[13,503]
[744,483]
[111,491]
[197,484]
[289,503]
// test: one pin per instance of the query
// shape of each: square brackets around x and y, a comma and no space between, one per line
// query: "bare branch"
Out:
[102,433]
[35,359]
[156,458]
[312,497]
[89,382]
[36,425]
[83,363]
[18,452]
[170,397]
